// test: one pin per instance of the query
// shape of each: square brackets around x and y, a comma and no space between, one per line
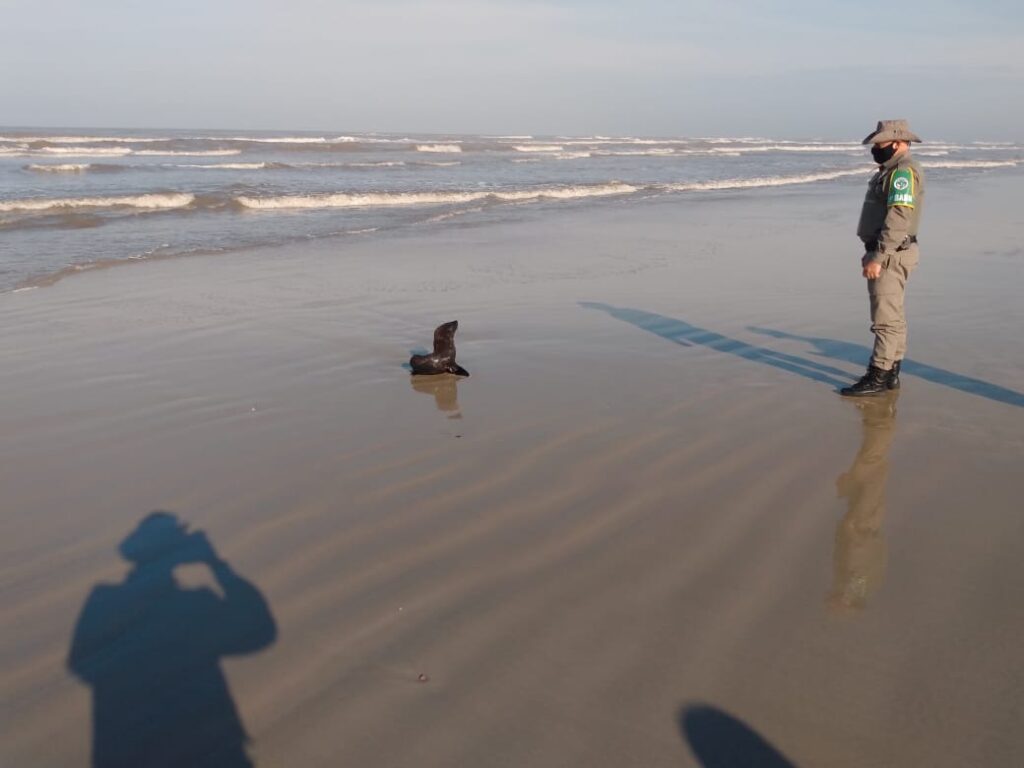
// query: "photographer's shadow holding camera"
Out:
[151,649]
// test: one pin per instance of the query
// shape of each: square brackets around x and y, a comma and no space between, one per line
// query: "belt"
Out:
[872,245]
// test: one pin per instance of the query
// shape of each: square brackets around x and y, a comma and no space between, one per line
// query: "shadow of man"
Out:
[857,353]
[687,335]
[150,650]
[860,554]
[720,740]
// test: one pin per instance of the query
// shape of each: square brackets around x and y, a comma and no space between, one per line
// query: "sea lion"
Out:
[442,359]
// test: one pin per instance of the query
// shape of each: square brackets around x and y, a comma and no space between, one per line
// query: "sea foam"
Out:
[438,148]
[376,164]
[82,139]
[153,201]
[279,139]
[383,199]
[538,147]
[792,148]
[188,153]
[970,163]
[82,151]
[61,168]
[222,166]
[636,152]
[764,181]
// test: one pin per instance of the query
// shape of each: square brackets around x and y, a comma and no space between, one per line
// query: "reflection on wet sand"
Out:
[860,554]
[444,388]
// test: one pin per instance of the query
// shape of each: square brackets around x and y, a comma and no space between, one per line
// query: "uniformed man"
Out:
[888,228]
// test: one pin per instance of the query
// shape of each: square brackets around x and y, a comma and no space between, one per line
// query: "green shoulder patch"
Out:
[901,188]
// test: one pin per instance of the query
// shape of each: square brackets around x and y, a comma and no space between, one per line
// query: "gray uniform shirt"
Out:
[892,207]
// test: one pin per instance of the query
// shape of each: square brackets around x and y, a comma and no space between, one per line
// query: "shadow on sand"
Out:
[150,651]
[855,353]
[687,335]
[719,740]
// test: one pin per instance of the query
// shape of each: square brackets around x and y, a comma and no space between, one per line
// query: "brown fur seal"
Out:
[442,359]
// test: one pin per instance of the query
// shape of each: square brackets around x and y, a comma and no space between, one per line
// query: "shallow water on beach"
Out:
[73,199]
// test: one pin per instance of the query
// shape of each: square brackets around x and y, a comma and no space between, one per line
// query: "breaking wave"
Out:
[61,168]
[281,140]
[970,163]
[225,166]
[382,199]
[82,139]
[538,147]
[627,141]
[438,148]
[792,148]
[80,151]
[658,151]
[765,181]
[153,201]
[378,164]
[188,153]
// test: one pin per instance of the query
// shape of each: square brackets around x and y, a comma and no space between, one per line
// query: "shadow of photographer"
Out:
[721,740]
[150,650]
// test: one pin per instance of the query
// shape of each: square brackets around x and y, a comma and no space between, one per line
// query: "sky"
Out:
[782,68]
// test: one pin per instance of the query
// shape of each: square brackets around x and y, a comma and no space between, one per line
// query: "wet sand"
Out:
[644,531]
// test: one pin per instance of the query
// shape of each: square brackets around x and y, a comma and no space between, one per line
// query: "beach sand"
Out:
[644,532]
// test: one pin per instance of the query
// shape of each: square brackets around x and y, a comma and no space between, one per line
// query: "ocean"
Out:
[72,200]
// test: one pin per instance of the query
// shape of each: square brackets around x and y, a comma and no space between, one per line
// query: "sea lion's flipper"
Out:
[457,369]
[444,338]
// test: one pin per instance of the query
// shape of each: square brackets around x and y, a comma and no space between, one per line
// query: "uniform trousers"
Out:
[888,319]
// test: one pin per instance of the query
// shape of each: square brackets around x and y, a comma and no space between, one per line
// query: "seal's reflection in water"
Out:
[860,553]
[445,389]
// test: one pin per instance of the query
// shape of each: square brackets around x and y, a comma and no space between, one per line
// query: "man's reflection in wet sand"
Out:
[860,554]
[444,388]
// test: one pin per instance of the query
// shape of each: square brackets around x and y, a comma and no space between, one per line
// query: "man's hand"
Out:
[871,269]
[198,549]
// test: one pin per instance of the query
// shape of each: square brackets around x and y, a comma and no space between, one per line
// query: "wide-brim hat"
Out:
[157,535]
[891,130]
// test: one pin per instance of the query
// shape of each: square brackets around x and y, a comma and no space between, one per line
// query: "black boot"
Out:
[893,381]
[874,382]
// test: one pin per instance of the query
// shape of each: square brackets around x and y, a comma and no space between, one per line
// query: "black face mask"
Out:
[883,155]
